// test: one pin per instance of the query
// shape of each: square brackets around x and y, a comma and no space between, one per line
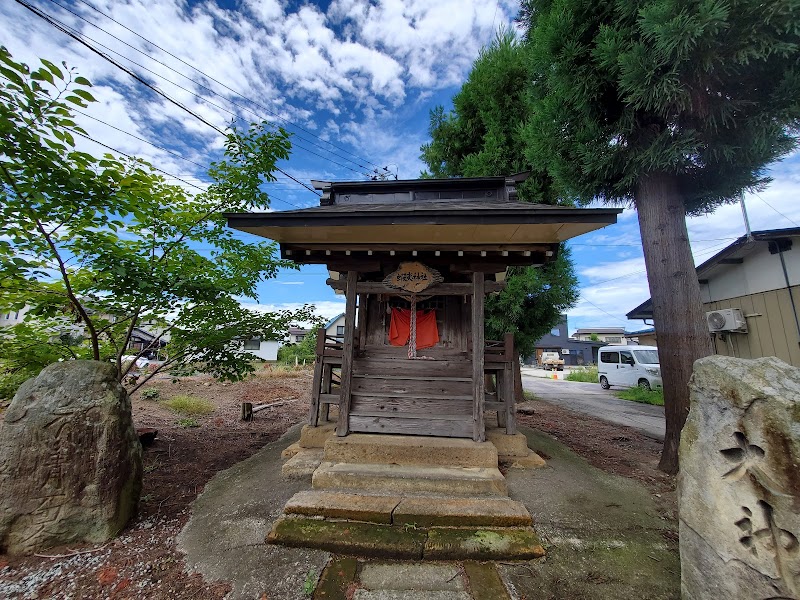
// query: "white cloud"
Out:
[327,309]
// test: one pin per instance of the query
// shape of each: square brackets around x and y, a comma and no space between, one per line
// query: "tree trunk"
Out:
[677,309]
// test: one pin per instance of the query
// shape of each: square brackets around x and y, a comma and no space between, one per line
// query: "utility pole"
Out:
[746,218]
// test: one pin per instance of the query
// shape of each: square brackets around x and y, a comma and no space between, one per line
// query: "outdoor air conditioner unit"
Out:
[726,319]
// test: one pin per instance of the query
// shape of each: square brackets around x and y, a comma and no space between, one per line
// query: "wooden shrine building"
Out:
[415,260]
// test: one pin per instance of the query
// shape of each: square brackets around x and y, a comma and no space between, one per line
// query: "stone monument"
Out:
[739,482]
[70,461]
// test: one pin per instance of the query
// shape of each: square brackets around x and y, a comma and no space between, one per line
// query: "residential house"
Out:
[296,334]
[574,352]
[263,349]
[754,287]
[335,327]
[643,337]
[607,335]
[11,318]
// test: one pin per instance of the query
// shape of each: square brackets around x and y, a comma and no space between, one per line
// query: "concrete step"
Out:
[425,511]
[409,595]
[410,450]
[410,479]
[387,541]
[303,463]
[417,511]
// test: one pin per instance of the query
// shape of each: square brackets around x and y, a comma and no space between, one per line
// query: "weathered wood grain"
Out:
[342,426]
[478,429]
[396,425]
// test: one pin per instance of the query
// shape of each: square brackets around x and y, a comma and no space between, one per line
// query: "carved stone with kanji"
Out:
[70,460]
[739,482]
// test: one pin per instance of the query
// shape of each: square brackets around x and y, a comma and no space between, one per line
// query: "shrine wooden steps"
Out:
[417,397]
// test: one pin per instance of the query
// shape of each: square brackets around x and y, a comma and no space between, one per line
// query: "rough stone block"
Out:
[410,450]
[484,581]
[403,479]
[302,464]
[739,482]
[315,437]
[343,505]
[483,544]
[291,450]
[531,461]
[345,537]
[508,446]
[409,595]
[338,575]
[412,576]
[476,512]
[70,459]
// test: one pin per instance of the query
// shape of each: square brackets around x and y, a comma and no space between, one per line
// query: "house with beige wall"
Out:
[753,286]
[608,335]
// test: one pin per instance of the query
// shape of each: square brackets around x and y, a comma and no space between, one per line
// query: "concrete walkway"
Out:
[591,399]
[603,536]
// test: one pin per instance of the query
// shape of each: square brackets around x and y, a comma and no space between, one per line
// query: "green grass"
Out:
[585,374]
[529,396]
[188,405]
[636,394]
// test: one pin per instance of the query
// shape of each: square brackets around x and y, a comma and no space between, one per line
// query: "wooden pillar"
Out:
[343,425]
[362,321]
[313,416]
[478,389]
[512,364]
[324,408]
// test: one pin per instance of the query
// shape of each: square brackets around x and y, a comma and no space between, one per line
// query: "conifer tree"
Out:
[483,136]
[676,107]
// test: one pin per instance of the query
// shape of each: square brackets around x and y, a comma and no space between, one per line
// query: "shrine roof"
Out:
[455,212]
[445,222]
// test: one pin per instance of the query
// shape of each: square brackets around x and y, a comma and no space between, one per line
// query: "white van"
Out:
[629,366]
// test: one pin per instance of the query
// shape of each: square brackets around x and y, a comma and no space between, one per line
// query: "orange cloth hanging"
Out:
[400,328]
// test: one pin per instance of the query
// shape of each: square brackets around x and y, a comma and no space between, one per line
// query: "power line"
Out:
[77,38]
[776,210]
[176,154]
[702,253]
[239,94]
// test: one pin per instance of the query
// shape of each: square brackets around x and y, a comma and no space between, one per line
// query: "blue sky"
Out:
[354,80]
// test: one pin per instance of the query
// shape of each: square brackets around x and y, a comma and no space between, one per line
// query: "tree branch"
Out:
[61,267]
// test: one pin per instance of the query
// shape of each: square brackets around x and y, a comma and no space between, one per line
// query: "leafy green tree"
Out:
[677,107]
[108,244]
[302,351]
[484,136]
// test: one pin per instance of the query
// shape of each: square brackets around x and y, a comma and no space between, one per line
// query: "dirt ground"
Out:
[144,563]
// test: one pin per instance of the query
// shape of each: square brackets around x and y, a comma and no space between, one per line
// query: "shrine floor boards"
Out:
[602,534]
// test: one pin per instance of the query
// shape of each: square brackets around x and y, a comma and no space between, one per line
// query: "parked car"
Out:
[629,366]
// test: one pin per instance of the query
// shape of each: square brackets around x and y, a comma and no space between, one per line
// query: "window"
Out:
[647,357]
[614,340]
[609,357]
[626,358]
[252,344]
[299,338]
[340,330]
[555,331]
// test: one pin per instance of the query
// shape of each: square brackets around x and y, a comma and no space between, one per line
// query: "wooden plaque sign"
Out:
[413,277]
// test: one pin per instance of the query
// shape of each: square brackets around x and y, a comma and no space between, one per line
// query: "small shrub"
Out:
[150,394]
[188,405]
[186,423]
[637,394]
[585,374]
[310,582]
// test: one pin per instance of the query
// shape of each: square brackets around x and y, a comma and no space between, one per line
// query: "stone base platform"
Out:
[423,511]
[416,543]
[407,497]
